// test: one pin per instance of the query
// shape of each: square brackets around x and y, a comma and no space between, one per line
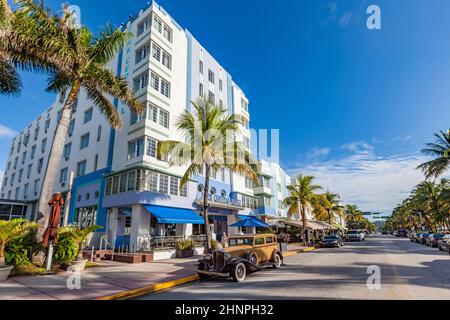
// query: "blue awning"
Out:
[166,215]
[250,223]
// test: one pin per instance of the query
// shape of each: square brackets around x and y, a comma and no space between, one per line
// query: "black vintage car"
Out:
[333,241]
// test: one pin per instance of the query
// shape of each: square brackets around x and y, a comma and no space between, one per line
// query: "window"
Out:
[164,118]
[244,105]
[248,183]
[184,191]
[221,103]
[75,106]
[30,167]
[141,82]
[5,182]
[47,125]
[99,133]
[115,185]
[63,175]
[152,112]
[166,60]
[210,76]
[167,33]
[71,127]
[67,151]
[278,187]
[259,241]
[96,162]
[135,148]
[19,145]
[152,145]
[26,188]
[156,52]
[163,183]
[26,139]
[16,193]
[88,115]
[200,67]
[40,165]
[200,90]
[142,53]
[211,97]
[174,186]
[131,181]
[247,142]
[16,161]
[37,183]
[157,23]
[24,157]
[13,176]
[223,174]
[36,133]
[220,85]
[154,81]
[84,141]
[165,88]
[33,152]
[269,240]
[8,166]
[153,181]
[20,175]
[43,145]
[143,26]
[81,168]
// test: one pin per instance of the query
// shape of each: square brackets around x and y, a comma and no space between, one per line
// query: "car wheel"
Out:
[253,258]
[277,261]
[239,272]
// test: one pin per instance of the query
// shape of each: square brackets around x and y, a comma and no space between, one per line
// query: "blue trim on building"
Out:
[89,179]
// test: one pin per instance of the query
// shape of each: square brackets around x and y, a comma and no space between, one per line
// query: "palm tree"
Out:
[79,236]
[440,150]
[77,61]
[302,196]
[211,146]
[10,230]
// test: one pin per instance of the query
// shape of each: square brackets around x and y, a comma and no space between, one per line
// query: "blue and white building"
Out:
[118,181]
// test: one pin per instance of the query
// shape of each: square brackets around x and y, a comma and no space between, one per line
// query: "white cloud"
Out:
[6,132]
[373,183]
[359,147]
[318,152]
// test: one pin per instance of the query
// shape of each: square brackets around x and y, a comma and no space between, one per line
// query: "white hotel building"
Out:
[119,182]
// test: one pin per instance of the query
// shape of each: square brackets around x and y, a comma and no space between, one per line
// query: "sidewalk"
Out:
[110,281]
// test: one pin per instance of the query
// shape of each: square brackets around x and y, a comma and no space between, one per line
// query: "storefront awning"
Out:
[166,215]
[312,225]
[251,222]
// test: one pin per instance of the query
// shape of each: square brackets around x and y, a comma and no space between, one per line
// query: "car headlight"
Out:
[227,256]
[208,257]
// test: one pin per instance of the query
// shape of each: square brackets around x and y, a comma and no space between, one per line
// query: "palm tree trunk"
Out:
[54,160]
[205,209]
[2,255]
[302,213]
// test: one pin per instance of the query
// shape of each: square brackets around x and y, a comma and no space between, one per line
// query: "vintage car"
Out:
[245,254]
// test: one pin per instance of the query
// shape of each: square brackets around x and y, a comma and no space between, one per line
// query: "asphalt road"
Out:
[408,271]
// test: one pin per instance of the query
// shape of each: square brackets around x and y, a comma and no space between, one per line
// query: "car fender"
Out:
[234,262]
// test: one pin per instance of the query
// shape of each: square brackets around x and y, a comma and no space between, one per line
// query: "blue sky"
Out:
[353,106]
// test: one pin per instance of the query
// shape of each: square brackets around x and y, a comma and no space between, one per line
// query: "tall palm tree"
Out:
[78,61]
[440,150]
[210,145]
[302,196]
[9,78]
[334,207]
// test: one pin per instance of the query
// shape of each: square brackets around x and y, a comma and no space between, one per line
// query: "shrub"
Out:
[10,231]
[19,250]
[66,251]
[214,244]
[184,245]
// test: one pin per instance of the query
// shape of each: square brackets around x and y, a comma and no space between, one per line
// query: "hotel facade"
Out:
[114,178]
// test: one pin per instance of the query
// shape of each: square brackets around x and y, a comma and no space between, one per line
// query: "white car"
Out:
[356,235]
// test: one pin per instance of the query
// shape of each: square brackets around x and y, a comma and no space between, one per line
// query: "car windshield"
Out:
[240,241]
[330,238]
[353,232]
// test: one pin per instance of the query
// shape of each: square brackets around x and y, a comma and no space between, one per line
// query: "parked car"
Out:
[355,235]
[444,243]
[423,238]
[432,240]
[414,237]
[244,255]
[333,241]
[401,234]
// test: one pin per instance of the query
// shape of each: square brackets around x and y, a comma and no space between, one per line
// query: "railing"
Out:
[170,243]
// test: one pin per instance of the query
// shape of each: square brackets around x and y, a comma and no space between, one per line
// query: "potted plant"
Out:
[79,236]
[10,230]
[185,249]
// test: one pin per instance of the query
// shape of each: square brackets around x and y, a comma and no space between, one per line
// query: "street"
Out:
[408,271]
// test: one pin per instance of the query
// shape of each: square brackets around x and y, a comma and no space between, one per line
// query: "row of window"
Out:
[154,114]
[158,25]
[156,82]
[211,75]
[145,180]
[158,53]
[144,145]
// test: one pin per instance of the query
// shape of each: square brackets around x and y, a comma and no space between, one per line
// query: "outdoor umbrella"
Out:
[51,233]
[250,223]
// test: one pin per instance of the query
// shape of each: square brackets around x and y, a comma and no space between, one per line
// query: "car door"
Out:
[259,247]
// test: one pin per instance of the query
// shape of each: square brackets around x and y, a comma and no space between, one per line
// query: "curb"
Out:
[125,295]
[129,294]
[295,252]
